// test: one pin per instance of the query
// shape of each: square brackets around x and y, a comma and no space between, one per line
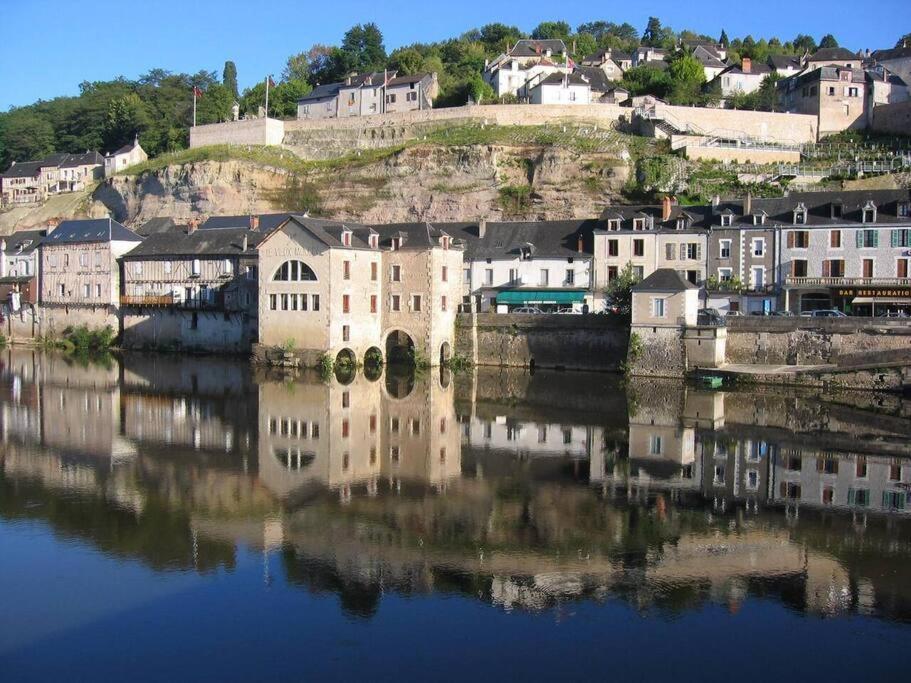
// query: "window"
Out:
[830,90]
[284,300]
[859,497]
[444,274]
[411,97]
[544,277]
[346,238]
[86,291]
[395,303]
[197,267]
[98,290]
[289,271]
[466,275]
[852,92]
[724,248]
[895,472]
[867,239]
[228,266]
[638,247]
[758,247]
[488,276]
[374,240]
[799,268]
[346,270]
[658,308]
[303,302]
[346,334]
[416,303]
[373,271]
[613,224]
[693,251]
[84,261]
[443,304]
[613,247]
[833,268]
[294,301]
[758,277]
[726,219]
[901,238]
[835,239]
[346,303]
[725,274]
[901,267]
[638,272]
[655,445]
[570,276]
[373,303]
[800,215]
[316,302]
[273,302]
[396,273]
[670,251]
[390,98]
[638,224]
[867,265]
[798,239]
[167,267]
[62,291]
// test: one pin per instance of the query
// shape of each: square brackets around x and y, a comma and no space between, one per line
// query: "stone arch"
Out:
[346,357]
[400,347]
[294,270]
[445,353]
[373,356]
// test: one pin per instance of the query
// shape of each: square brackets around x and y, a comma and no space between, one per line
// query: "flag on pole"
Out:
[196,94]
[570,64]
[271,82]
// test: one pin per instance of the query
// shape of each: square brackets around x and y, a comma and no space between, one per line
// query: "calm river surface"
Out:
[196,519]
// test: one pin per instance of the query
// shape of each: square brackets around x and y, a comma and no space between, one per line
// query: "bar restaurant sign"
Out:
[875,292]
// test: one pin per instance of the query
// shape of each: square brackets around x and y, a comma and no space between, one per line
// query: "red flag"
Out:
[197,92]
[570,64]
[271,82]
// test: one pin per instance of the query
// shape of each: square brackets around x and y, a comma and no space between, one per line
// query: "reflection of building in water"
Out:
[525,438]
[315,435]
[862,483]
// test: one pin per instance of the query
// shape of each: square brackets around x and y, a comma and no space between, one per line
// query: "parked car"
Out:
[568,311]
[528,310]
[893,314]
[826,313]
[783,314]
[734,314]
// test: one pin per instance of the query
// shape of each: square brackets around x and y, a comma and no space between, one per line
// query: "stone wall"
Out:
[742,155]
[203,330]
[247,132]
[893,119]
[737,123]
[573,342]
[55,318]
[798,341]
[656,352]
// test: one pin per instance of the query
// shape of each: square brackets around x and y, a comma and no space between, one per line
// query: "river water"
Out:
[199,519]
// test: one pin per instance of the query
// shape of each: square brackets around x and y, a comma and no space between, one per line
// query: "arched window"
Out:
[294,271]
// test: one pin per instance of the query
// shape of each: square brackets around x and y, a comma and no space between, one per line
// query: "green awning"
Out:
[539,296]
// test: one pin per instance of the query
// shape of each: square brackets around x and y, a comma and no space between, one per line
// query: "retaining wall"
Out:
[246,132]
[770,126]
[893,119]
[576,342]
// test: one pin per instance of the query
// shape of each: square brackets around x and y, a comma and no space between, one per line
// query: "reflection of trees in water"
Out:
[400,380]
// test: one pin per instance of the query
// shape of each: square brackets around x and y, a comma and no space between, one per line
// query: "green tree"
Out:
[297,68]
[499,37]
[229,78]
[828,40]
[127,117]
[655,35]
[215,104]
[362,49]
[687,78]
[803,44]
[647,80]
[619,292]
[406,61]
[479,90]
[585,45]
[26,137]
[551,29]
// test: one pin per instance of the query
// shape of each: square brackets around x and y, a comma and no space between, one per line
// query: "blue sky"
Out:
[47,47]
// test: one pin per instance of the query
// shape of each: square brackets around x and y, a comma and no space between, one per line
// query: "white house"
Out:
[560,89]
[128,155]
[743,79]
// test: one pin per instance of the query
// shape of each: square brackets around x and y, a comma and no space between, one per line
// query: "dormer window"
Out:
[346,238]
[903,210]
[800,215]
[639,224]
[759,219]
[613,224]
[374,241]
[681,223]
[836,210]
[726,220]
[444,241]
[396,243]
[869,213]
[526,252]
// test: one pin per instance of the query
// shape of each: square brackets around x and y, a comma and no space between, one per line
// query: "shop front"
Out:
[548,300]
[873,301]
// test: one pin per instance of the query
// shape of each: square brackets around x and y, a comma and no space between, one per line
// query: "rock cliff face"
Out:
[424,182]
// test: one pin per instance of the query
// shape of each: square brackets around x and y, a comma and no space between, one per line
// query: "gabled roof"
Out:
[596,78]
[528,47]
[833,54]
[54,160]
[892,53]
[756,69]
[178,242]
[330,232]
[780,62]
[558,78]
[23,169]
[126,149]
[155,225]
[407,80]
[91,230]
[322,92]
[664,280]
[23,241]
[550,239]
[86,159]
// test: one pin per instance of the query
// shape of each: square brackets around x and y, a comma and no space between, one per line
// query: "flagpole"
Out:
[268,78]
[194,106]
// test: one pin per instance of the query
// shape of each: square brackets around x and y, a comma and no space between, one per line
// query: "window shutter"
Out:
[895,234]
[790,239]
[826,268]
[875,238]
[669,252]
[698,252]
[859,235]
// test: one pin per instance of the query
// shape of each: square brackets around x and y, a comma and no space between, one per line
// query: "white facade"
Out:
[483,278]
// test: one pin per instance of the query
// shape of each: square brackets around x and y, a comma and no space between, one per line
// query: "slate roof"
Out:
[780,62]
[557,79]
[178,242]
[664,280]
[330,232]
[155,225]
[756,69]
[833,54]
[23,241]
[822,73]
[86,159]
[23,169]
[126,149]
[267,221]
[550,239]
[322,92]
[892,53]
[90,230]
[406,80]
[528,47]
[596,78]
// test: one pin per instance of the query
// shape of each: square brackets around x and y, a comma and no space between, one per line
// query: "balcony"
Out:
[847,281]
[214,302]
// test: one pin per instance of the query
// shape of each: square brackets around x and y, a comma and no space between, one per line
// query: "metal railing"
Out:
[793,281]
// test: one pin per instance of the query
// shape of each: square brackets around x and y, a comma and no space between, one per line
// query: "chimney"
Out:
[716,200]
[254,223]
[52,225]
[482,227]
[748,204]
[746,65]
[192,225]
[580,244]
[666,208]
[243,247]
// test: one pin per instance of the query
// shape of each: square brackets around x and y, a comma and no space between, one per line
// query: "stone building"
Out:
[366,94]
[547,264]
[896,60]
[19,253]
[193,288]
[128,155]
[34,181]
[410,93]
[80,272]
[509,73]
